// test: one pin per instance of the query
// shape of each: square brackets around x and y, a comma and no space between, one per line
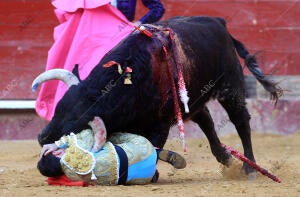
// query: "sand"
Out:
[203,176]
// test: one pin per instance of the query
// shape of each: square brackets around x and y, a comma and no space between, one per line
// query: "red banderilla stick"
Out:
[241,157]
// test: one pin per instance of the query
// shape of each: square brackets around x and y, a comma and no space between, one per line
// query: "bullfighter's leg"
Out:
[205,121]
[158,138]
[158,135]
[239,116]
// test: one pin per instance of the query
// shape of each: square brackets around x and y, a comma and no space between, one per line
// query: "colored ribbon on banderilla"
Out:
[181,84]
[178,113]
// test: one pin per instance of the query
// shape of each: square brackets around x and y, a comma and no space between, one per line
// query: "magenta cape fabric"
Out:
[88,29]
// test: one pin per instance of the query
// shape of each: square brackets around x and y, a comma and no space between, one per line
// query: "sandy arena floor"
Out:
[202,177]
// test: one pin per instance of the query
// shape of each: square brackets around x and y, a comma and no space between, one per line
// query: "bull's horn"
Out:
[66,76]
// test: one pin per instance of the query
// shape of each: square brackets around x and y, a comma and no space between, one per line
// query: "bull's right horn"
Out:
[66,76]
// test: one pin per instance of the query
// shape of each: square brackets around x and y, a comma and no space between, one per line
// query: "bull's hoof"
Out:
[250,173]
[234,170]
[229,162]
[252,176]
[155,177]
[231,171]
[222,156]
[248,169]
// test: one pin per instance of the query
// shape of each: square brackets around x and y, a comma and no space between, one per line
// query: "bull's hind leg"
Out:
[235,107]
[205,121]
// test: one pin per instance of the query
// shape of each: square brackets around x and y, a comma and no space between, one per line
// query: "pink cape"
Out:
[88,29]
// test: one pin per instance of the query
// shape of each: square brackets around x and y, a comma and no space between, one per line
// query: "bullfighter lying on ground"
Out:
[124,159]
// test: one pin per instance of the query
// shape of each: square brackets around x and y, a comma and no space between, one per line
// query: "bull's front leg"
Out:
[205,121]
[50,134]
[158,134]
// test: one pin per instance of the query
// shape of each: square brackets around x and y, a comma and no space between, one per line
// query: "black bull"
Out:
[208,55]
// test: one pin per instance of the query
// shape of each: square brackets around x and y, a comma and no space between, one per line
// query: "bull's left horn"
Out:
[66,76]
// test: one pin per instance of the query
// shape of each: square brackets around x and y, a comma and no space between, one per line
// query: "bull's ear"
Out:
[100,133]
[75,71]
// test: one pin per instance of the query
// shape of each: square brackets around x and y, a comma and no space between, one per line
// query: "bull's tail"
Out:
[251,63]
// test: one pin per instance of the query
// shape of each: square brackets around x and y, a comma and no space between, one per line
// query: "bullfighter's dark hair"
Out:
[50,166]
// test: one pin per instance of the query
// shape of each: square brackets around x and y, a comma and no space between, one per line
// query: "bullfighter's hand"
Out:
[48,148]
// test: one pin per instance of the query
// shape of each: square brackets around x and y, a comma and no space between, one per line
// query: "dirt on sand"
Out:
[203,176]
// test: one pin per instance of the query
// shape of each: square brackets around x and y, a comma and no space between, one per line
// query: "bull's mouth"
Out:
[43,139]
[48,137]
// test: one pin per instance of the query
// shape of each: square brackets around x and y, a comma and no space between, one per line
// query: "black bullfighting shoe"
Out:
[155,177]
[173,158]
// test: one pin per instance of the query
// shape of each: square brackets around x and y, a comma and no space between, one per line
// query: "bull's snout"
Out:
[42,139]
[46,138]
